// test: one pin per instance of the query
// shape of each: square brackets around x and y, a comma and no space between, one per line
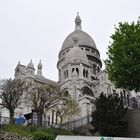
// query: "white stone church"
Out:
[80,75]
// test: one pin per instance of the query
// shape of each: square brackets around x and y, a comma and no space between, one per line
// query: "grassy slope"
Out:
[29,131]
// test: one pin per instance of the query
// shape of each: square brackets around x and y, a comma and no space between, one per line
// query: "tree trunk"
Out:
[39,119]
[61,120]
[11,117]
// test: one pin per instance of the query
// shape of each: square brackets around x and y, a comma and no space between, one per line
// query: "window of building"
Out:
[87,91]
[87,49]
[84,73]
[125,98]
[52,116]
[63,53]
[98,69]
[114,91]
[48,120]
[77,70]
[17,70]
[72,69]
[66,93]
[67,74]
[64,74]
[80,95]
[56,118]
[93,51]
[97,54]
[128,101]
[93,78]
[94,69]
[121,94]
[68,50]
[60,73]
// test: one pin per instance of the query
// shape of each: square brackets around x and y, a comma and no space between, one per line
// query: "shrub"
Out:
[36,133]
[60,131]
[55,131]
[42,135]
[17,129]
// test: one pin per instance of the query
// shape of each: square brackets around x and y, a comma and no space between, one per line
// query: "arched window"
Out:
[128,102]
[87,73]
[67,74]
[64,74]
[77,70]
[124,93]
[48,120]
[87,91]
[98,69]
[84,73]
[72,69]
[60,74]
[66,93]
[125,98]
[94,69]
[121,94]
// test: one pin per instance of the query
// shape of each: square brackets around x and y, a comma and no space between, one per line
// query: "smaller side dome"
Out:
[39,65]
[76,54]
[30,65]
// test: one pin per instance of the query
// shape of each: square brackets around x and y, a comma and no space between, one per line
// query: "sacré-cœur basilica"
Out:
[80,76]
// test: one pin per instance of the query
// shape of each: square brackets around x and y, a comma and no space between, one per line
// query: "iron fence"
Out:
[77,123]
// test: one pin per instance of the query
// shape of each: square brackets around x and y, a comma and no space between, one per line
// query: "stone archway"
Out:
[87,91]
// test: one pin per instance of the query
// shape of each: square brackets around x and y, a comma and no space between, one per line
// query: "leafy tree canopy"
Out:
[109,117]
[123,63]
[68,108]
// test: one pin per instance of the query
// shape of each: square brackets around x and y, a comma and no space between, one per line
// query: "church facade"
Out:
[80,75]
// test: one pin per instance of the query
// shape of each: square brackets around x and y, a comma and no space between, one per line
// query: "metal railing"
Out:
[77,123]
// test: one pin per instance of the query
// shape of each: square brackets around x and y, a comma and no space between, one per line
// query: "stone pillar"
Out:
[81,71]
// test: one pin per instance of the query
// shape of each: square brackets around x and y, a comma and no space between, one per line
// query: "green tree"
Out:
[68,109]
[11,93]
[43,96]
[123,63]
[109,117]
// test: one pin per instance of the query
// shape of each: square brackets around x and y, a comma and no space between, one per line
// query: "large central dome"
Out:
[86,50]
[84,38]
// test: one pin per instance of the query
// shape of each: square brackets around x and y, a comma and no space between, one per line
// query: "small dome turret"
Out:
[30,65]
[30,68]
[39,71]
[39,65]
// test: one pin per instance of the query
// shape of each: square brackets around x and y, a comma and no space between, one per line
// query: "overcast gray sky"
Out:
[36,29]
